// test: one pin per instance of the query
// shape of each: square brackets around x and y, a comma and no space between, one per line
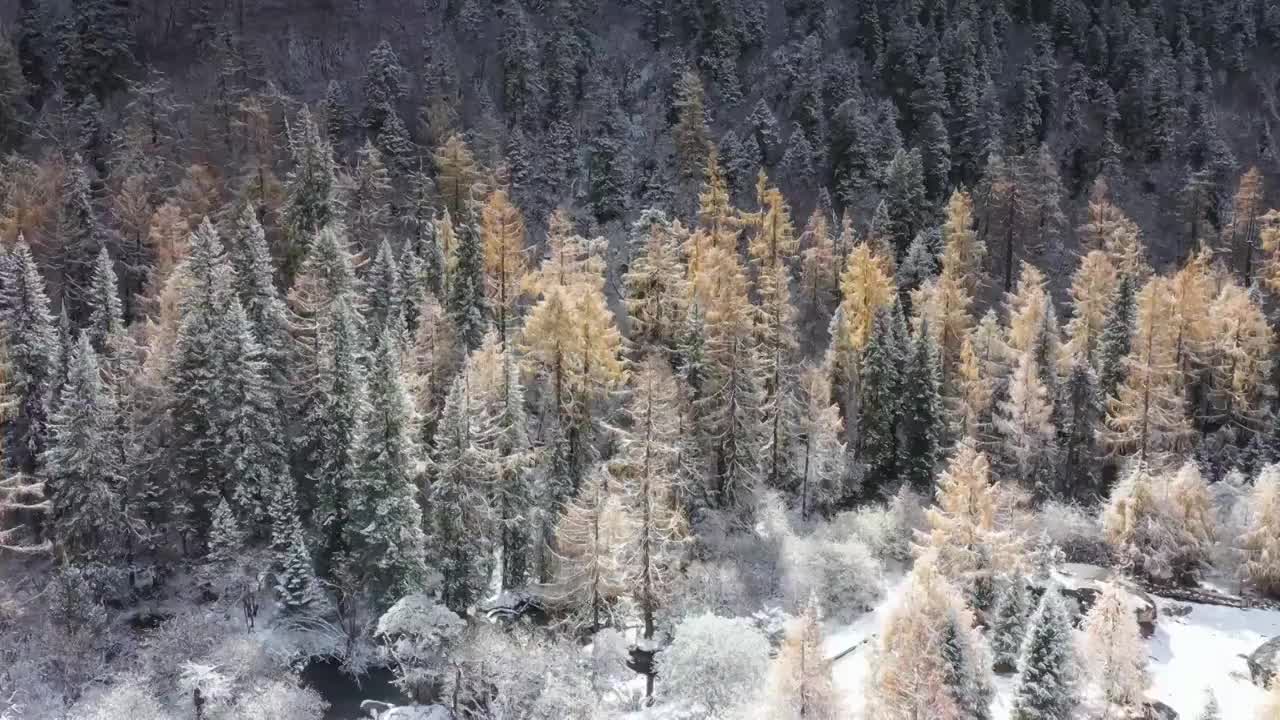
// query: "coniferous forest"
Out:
[644,359]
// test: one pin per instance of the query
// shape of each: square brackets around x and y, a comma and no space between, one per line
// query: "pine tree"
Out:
[733,393]
[326,453]
[505,263]
[255,285]
[463,472]
[1113,651]
[1047,686]
[1009,624]
[905,198]
[922,424]
[86,485]
[800,683]
[296,585]
[32,347]
[226,539]
[1077,433]
[337,117]
[106,318]
[385,525]
[467,303]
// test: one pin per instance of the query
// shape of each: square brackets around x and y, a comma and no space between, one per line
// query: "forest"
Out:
[643,359]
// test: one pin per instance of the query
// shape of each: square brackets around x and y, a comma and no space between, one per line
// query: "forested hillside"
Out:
[515,348]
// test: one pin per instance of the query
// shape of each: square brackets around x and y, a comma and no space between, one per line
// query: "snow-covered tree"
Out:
[820,454]
[1047,683]
[385,304]
[310,202]
[594,549]
[419,635]
[463,471]
[1134,525]
[650,462]
[385,527]
[1009,620]
[1092,290]
[32,348]
[921,425]
[963,538]
[930,661]
[505,263]
[1261,540]
[800,683]
[655,284]
[1114,652]
[1211,711]
[714,662]
[1024,421]
[86,484]
[367,199]
[880,401]
[467,302]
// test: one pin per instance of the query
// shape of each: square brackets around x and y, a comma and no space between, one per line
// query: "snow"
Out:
[1203,650]
[1187,655]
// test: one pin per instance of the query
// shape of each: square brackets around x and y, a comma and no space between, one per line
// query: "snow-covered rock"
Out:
[1264,662]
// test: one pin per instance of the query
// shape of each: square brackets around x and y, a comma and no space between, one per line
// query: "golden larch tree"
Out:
[1243,344]
[1091,292]
[963,251]
[1148,415]
[867,286]
[656,288]
[459,179]
[505,264]
[800,685]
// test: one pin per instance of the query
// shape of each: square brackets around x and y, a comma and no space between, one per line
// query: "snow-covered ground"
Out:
[1188,654]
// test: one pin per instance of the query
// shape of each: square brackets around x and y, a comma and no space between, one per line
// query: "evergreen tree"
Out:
[1113,650]
[463,468]
[880,403]
[86,485]
[467,303]
[81,238]
[1077,433]
[367,201]
[32,347]
[266,311]
[921,423]
[1114,344]
[1009,624]
[295,583]
[226,539]
[385,306]
[384,528]
[905,199]
[820,460]
[1047,684]
[309,189]
[95,47]
[337,117]
[690,133]
[384,87]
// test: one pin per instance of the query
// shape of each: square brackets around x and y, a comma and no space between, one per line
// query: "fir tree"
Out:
[309,189]
[226,539]
[922,423]
[467,303]
[880,402]
[905,198]
[1113,345]
[81,238]
[367,199]
[1047,683]
[295,579]
[33,348]
[384,528]
[255,285]
[385,306]
[86,484]
[1009,621]
[463,468]
[384,87]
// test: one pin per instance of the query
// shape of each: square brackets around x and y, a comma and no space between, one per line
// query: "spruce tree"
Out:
[965,679]
[922,421]
[515,480]
[467,304]
[296,586]
[106,318]
[880,402]
[463,470]
[386,297]
[226,539]
[1047,684]
[1113,346]
[384,532]
[265,310]
[1077,432]
[384,87]
[81,237]
[33,349]
[367,199]
[905,199]
[86,484]
[309,189]
[1008,626]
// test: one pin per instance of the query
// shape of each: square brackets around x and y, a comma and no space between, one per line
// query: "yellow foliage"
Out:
[1091,289]
[867,286]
